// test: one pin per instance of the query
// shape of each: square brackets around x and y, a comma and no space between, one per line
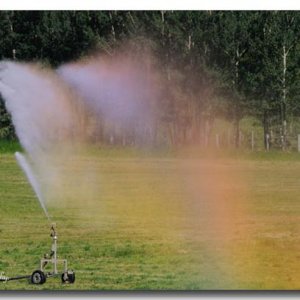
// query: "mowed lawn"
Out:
[158,223]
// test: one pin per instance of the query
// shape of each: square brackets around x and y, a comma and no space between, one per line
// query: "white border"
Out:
[150,5]
[149,297]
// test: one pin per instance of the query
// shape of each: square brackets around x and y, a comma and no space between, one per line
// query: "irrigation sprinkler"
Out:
[39,276]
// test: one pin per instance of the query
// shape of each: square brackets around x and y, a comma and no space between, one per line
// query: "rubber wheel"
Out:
[68,277]
[38,277]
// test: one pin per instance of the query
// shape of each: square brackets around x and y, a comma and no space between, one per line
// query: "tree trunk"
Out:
[13,50]
[113,33]
[283,102]
[237,113]
[237,132]
[162,22]
[266,129]
[189,42]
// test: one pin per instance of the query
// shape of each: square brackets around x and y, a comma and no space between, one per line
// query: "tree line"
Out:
[216,64]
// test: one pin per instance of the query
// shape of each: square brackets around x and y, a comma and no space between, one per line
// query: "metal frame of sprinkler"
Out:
[39,276]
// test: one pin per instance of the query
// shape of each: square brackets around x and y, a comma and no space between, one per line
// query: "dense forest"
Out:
[216,64]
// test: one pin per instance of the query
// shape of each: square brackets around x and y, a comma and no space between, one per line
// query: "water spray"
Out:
[53,110]
[25,166]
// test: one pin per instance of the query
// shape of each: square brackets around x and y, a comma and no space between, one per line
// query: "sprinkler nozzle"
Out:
[53,230]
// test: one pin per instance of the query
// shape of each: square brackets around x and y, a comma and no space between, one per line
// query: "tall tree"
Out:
[271,71]
[231,41]
[286,30]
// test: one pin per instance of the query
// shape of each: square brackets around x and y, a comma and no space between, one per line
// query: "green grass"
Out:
[9,146]
[161,222]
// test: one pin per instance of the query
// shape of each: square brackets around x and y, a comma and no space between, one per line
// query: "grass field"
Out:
[161,222]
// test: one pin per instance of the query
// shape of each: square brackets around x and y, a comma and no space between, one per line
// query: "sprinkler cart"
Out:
[39,276]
